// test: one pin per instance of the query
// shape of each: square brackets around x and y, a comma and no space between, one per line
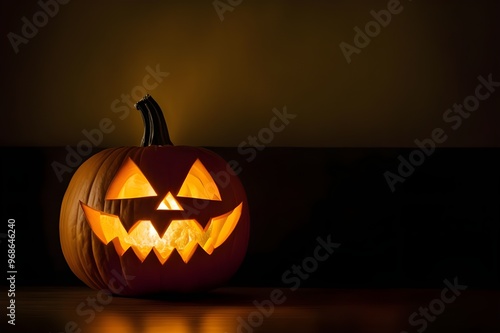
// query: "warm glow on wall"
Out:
[224,78]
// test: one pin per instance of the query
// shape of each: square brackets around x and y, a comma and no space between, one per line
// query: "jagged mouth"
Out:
[184,236]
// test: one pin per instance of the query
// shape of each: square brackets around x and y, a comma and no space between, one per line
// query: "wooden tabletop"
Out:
[79,309]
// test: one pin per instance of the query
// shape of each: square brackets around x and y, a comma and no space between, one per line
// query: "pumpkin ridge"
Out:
[119,151]
[76,230]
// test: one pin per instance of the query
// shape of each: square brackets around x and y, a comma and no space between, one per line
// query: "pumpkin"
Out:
[156,218]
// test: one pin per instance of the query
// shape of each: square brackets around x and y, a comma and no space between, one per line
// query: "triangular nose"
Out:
[169,203]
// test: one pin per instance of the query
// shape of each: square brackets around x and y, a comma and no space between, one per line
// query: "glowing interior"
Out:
[181,235]
[129,182]
[199,184]
[169,203]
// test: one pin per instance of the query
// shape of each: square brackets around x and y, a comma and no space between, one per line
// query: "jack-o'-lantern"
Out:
[154,218]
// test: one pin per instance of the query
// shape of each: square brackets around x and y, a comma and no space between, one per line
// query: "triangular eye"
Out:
[199,184]
[129,183]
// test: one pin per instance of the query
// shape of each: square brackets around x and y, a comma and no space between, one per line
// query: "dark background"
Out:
[322,175]
[441,223]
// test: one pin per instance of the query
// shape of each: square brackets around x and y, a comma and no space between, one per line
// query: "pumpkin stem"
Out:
[155,127]
[146,118]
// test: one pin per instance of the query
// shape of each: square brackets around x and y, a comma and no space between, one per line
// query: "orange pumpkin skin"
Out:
[100,266]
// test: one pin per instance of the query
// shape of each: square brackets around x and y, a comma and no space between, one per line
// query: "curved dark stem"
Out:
[158,131]
[146,118]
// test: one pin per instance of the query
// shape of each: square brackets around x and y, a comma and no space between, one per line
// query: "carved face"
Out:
[182,235]
[172,217]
